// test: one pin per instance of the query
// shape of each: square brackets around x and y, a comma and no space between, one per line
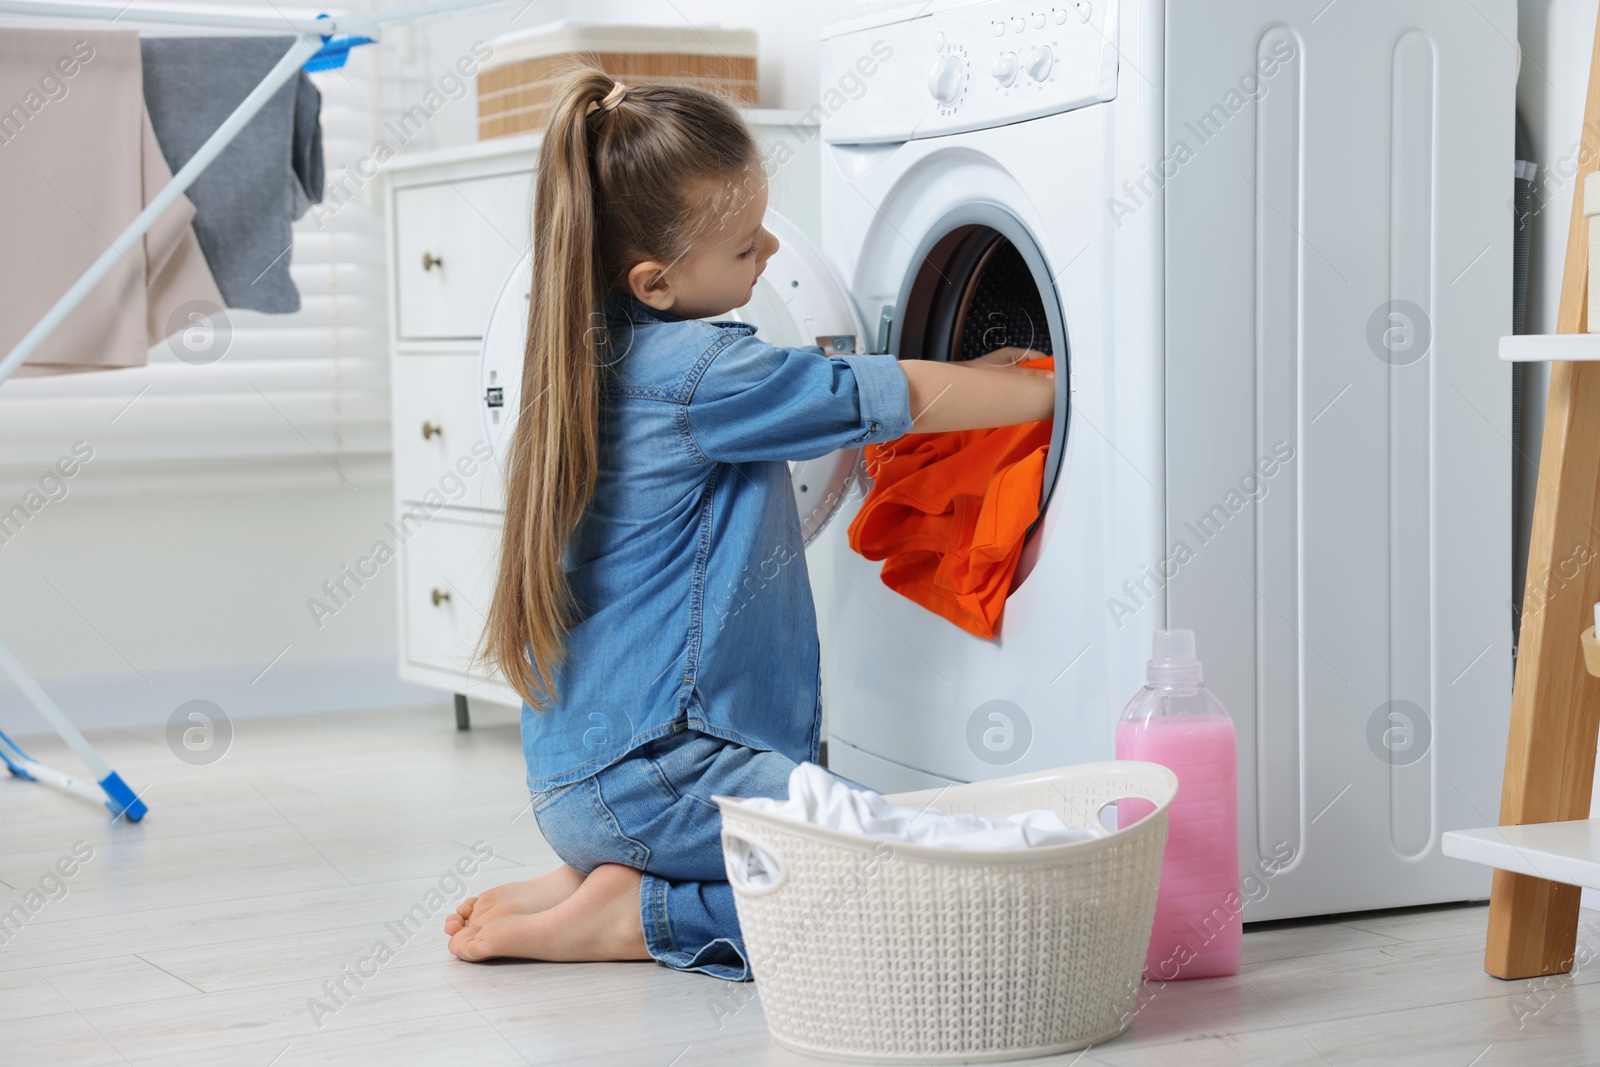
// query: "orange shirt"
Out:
[947,514]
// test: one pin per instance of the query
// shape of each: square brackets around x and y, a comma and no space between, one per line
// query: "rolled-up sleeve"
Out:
[758,402]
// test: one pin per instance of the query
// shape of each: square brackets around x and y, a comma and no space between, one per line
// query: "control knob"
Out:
[1040,60]
[944,80]
[1006,68]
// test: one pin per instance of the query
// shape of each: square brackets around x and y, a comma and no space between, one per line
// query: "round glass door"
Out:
[500,361]
[979,283]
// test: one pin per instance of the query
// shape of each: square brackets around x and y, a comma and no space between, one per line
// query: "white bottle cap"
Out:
[1172,660]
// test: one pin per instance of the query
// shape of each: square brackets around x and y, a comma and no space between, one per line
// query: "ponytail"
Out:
[616,167]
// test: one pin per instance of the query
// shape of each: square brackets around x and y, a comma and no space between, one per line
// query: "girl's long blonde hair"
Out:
[616,186]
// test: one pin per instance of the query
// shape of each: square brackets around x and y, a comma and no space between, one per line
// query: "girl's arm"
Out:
[952,396]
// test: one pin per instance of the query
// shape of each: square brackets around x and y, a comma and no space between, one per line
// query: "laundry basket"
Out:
[878,951]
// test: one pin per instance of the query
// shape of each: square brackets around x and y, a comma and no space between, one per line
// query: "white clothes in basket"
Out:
[820,798]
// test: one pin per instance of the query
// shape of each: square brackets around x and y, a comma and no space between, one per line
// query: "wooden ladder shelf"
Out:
[1545,847]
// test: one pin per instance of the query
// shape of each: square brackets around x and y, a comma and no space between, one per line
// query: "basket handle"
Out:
[753,868]
[1099,812]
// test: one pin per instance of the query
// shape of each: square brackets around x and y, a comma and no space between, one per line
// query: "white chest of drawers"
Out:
[458,222]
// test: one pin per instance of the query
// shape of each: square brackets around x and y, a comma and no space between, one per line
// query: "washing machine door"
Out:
[798,301]
[500,361]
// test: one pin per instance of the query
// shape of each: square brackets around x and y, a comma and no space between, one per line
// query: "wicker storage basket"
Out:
[514,86]
[872,950]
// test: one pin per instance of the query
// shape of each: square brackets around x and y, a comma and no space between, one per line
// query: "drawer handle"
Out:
[429,429]
[438,595]
[430,261]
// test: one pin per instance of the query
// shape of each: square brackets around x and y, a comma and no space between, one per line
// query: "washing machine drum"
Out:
[979,283]
[1000,307]
[797,302]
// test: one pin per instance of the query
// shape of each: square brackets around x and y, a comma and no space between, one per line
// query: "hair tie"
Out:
[614,97]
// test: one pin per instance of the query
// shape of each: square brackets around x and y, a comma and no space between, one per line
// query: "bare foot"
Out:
[515,898]
[600,921]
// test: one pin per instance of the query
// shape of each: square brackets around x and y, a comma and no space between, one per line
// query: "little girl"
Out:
[652,606]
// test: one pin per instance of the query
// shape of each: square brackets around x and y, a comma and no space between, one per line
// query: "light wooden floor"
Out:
[201,935]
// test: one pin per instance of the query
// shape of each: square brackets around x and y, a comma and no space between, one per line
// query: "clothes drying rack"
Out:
[321,43]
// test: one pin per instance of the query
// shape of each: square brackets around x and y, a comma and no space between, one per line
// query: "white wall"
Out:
[125,607]
[786,31]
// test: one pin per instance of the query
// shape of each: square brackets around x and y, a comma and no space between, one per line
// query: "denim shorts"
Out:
[652,811]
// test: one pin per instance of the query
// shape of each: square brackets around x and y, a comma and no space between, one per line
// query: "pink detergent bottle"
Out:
[1176,722]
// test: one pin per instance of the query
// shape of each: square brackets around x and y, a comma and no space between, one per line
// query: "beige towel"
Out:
[78,160]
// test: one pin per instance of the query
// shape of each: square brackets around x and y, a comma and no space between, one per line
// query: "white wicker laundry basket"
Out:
[877,951]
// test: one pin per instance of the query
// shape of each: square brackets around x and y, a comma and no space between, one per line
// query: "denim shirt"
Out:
[688,565]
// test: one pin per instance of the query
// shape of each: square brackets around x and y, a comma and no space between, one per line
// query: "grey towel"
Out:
[244,201]
[306,154]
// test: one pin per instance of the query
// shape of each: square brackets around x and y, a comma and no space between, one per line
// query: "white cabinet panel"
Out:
[454,242]
[439,443]
[449,573]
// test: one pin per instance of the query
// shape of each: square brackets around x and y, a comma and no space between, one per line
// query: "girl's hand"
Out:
[1007,358]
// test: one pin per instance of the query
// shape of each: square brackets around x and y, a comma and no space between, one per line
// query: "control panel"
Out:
[966,68]
[1031,55]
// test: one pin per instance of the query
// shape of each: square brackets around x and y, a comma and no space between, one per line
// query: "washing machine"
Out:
[1267,244]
